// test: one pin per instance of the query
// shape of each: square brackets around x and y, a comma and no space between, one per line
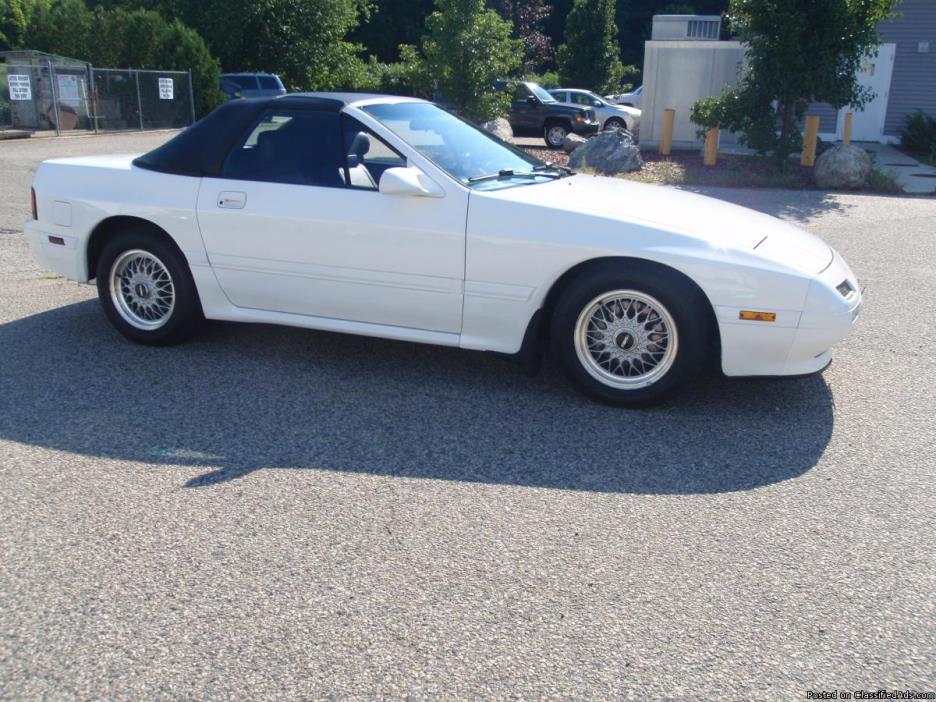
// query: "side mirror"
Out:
[596,103]
[409,181]
[531,100]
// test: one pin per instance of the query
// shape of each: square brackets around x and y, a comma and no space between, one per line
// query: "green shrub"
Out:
[919,135]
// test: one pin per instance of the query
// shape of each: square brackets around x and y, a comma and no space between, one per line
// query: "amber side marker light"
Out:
[35,210]
[750,316]
[56,240]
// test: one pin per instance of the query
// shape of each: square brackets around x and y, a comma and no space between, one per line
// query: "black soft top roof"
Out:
[202,149]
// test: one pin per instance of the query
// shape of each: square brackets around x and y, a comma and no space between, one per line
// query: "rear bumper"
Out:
[56,252]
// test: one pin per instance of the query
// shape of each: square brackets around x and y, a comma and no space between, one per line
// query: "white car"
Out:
[390,217]
[610,116]
[631,99]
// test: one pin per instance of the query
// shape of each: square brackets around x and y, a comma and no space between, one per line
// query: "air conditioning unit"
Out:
[686,27]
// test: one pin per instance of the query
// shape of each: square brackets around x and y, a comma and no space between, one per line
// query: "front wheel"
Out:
[615,123]
[554,134]
[146,289]
[629,337]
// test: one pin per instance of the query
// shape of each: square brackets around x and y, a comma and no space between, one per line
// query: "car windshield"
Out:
[539,92]
[464,151]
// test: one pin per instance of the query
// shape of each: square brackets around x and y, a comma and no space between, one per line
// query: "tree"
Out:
[392,23]
[305,41]
[528,17]
[118,37]
[14,18]
[590,57]
[798,52]
[467,48]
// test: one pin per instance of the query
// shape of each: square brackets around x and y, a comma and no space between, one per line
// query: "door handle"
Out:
[232,200]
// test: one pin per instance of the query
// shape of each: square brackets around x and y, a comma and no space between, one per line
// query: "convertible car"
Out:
[391,217]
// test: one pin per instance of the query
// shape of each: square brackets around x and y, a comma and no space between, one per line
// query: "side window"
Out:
[368,156]
[522,92]
[245,82]
[269,83]
[582,99]
[561,97]
[302,147]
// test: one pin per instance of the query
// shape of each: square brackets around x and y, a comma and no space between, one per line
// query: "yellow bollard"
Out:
[809,142]
[711,147]
[848,128]
[666,139]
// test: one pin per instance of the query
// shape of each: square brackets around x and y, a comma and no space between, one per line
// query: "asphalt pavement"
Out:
[270,513]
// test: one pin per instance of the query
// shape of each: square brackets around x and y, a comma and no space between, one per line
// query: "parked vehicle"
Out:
[610,116]
[534,112]
[631,99]
[238,85]
[390,217]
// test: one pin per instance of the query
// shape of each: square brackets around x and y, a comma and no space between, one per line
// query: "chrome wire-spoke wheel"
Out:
[142,290]
[626,339]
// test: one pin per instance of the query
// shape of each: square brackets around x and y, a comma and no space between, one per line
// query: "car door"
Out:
[525,113]
[292,226]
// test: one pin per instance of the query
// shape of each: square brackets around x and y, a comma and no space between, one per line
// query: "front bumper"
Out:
[799,342]
[585,128]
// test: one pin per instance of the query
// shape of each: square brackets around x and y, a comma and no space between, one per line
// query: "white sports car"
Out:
[391,217]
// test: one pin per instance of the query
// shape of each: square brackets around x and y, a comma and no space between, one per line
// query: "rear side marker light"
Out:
[57,240]
[750,316]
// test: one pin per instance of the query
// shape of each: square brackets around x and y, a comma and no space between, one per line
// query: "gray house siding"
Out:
[828,116]
[913,86]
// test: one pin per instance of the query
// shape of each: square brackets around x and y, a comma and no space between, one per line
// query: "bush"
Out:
[549,79]
[919,135]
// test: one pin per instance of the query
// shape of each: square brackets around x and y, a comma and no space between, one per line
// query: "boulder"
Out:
[500,128]
[612,151]
[843,166]
[572,142]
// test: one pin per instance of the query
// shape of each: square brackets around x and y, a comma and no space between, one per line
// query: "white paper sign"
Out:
[20,88]
[68,88]
[166,88]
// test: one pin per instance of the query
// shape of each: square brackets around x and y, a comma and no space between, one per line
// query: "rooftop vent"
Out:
[686,27]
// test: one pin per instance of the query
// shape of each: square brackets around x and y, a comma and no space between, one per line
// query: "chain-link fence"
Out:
[43,95]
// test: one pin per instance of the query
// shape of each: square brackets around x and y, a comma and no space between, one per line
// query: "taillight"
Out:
[35,210]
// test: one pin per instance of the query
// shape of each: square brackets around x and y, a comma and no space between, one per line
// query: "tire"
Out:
[615,123]
[655,323]
[146,288]
[554,133]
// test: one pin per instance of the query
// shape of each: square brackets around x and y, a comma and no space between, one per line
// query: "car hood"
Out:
[714,223]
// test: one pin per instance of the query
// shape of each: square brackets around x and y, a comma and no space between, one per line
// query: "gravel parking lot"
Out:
[269,513]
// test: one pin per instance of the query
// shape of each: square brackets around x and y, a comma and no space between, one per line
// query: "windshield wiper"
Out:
[565,170]
[509,173]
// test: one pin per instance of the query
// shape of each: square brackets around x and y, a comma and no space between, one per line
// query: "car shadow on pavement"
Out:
[242,398]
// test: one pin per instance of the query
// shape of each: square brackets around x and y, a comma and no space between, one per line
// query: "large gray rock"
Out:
[612,151]
[572,141]
[843,166]
[499,127]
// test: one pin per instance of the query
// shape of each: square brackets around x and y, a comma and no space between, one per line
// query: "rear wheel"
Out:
[630,336]
[146,288]
[554,134]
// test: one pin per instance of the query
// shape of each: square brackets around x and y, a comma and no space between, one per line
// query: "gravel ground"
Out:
[271,513]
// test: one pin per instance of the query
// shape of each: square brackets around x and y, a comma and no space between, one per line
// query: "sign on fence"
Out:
[166,89]
[20,88]
[68,88]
